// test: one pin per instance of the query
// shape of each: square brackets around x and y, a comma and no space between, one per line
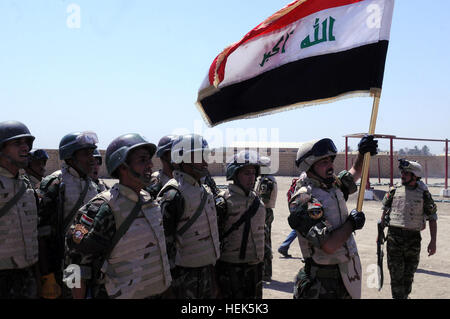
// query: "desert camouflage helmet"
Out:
[242,159]
[410,166]
[310,152]
[75,141]
[165,144]
[11,130]
[119,148]
[184,145]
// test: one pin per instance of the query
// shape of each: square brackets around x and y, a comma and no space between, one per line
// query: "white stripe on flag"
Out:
[353,25]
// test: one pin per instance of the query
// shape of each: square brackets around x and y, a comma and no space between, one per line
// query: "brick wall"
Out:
[435,165]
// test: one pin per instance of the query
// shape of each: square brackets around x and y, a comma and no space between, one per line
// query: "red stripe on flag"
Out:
[304,8]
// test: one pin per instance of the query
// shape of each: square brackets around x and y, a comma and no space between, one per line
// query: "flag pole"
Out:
[365,169]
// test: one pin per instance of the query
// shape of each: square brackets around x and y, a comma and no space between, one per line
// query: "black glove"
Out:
[357,219]
[368,144]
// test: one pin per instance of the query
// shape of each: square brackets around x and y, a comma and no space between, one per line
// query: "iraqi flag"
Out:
[310,52]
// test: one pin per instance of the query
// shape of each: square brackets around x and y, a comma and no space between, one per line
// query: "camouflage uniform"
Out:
[266,187]
[18,230]
[404,243]
[240,277]
[193,252]
[324,276]
[90,238]
[34,182]
[55,207]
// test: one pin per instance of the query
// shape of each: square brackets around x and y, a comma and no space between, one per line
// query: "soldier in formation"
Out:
[318,212]
[162,176]
[19,274]
[242,227]
[101,185]
[63,193]
[117,238]
[190,221]
[267,189]
[406,208]
[35,171]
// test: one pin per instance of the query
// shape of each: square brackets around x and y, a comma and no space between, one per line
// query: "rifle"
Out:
[381,238]
[212,184]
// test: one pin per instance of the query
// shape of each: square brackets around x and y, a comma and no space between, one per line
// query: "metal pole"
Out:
[391,156]
[446,163]
[346,154]
[366,163]
[379,177]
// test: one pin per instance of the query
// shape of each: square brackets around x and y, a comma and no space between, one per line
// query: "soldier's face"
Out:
[140,161]
[196,170]
[84,160]
[324,168]
[17,151]
[246,177]
[38,166]
[408,178]
[96,169]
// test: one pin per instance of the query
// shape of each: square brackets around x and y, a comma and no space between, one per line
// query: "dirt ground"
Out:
[431,281]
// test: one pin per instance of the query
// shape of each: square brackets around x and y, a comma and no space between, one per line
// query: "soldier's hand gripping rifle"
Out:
[380,242]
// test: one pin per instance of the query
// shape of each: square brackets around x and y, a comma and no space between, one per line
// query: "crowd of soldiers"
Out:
[173,234]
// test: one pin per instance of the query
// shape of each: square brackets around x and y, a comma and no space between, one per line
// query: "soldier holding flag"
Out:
[319,214]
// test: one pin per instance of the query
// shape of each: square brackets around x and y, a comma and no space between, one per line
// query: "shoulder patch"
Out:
[78,233]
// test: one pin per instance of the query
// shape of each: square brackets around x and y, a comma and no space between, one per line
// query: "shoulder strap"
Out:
[76,206]
[196,214]
[13,200]
[123,228]
[251,211]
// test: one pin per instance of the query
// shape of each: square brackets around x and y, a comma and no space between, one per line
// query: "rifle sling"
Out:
[196,214]
[13,200]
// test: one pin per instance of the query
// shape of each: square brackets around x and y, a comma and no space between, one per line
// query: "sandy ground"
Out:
[432,279]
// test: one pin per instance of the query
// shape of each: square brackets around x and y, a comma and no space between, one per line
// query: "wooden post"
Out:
[379,172]
[365,169]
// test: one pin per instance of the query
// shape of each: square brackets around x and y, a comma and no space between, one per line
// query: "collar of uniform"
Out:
[4,172]
[127,192]
[186,177]
[238,190]
[70,170]
[317,183]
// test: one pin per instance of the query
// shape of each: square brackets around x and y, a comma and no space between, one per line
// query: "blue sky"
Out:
[136,66]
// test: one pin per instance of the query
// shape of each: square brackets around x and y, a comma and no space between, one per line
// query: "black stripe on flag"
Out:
[310,79]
